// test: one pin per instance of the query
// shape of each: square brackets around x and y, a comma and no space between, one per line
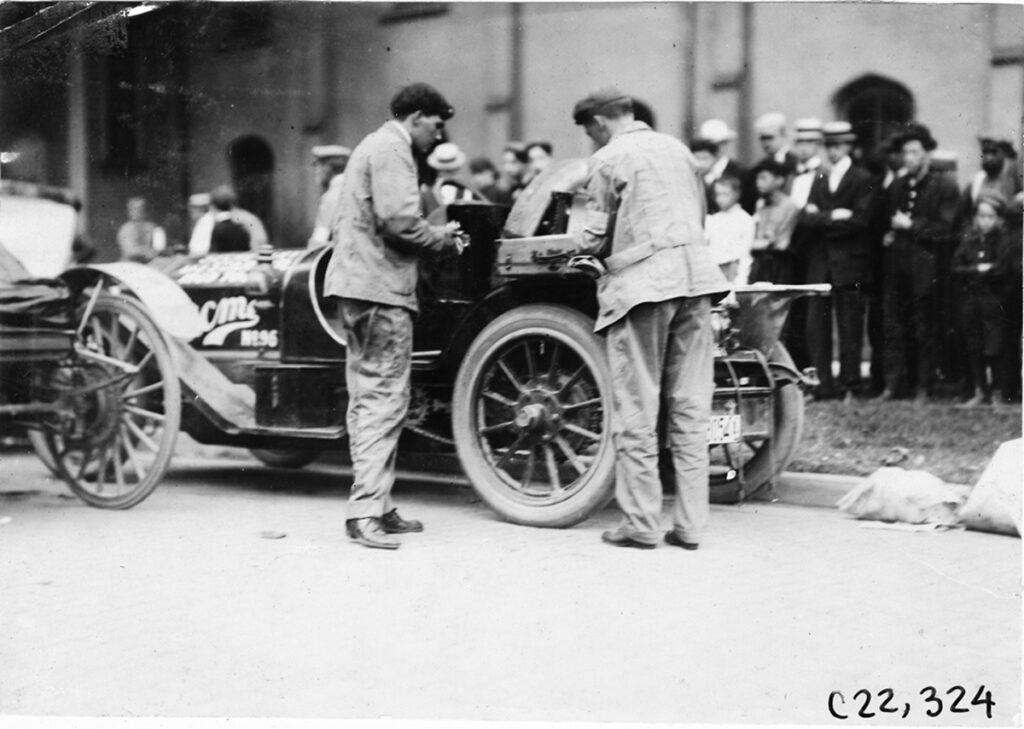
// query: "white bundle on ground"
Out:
[912,497]
[995,502]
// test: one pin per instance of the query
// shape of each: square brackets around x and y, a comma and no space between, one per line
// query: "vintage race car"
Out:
[508,375]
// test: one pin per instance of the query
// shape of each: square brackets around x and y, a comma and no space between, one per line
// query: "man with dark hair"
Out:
[379,237]
[233,221]
[644,220]
[485,180]
[775,219]
[539,155]
[921,207]
[838,217]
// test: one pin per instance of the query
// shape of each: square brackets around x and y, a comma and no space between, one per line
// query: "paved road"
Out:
[181,607]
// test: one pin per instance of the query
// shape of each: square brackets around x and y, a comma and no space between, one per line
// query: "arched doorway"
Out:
[875,106]
[252,172]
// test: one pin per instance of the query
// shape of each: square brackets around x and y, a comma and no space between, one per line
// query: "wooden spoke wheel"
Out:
[124,401]
[531,417]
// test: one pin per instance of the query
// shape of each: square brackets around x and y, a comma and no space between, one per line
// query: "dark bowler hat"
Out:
[596,103]
[920,133]
[838,132]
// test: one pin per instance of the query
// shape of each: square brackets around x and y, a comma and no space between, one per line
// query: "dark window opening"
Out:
[876,107]
[252,172]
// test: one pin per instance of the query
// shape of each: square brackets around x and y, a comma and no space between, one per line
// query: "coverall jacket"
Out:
[645,213]
[379,235]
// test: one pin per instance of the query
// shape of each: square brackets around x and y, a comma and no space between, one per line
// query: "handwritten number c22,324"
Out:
[932,697]
[864,713]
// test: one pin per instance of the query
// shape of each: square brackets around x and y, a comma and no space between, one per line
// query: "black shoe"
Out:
[623,537]
[674,539]
[370,533]
[392,523]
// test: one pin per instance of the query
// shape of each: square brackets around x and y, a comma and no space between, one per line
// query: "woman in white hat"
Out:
[448,160]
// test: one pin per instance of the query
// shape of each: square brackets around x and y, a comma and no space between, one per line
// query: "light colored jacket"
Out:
[645,220]
[379,231]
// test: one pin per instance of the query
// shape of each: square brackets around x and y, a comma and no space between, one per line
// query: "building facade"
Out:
[188,96]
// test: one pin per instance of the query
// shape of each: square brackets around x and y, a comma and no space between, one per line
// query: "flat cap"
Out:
[773,121]
[593,104]
[327,151]
[993,199]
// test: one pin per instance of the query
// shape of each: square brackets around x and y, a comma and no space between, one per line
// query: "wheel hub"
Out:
[539,413]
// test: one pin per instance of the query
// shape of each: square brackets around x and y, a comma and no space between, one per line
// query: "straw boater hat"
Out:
[716,131]
[447,157]
[808,130]
[839,132]
[324,152]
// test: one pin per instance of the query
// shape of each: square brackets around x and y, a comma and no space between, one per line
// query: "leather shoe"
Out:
[392,523]
[369,533]
[676,541]
[624,537]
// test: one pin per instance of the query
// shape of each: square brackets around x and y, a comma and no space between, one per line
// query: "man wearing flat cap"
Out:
[644,220]
[329,161]
[921,207]
[379,236]
[1000,174]
[838,218]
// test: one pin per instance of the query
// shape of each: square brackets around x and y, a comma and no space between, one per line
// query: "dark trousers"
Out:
[909,334]
[876,333]
[849,303]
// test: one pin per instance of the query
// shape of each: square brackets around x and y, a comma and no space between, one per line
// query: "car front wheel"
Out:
[532,417]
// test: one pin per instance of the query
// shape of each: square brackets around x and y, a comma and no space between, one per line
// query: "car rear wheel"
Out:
[532,417]
[760,461]
[281,458]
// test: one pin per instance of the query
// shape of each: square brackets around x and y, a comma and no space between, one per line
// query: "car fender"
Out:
[168,304]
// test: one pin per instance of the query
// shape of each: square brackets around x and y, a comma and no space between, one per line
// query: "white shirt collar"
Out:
[839,169]
[402,130]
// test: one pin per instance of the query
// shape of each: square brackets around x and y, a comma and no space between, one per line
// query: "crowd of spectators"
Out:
[925,276]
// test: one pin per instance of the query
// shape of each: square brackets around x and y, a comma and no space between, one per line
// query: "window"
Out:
[875,106]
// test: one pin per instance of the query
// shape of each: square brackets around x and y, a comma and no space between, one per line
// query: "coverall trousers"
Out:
[377,369]
[662,355]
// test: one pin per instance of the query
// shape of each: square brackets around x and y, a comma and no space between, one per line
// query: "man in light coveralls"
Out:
[644,220]
[379,236]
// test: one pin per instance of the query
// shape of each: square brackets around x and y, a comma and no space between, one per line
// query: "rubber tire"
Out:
[283,458]
[788,428]
[172,411]
[571,328]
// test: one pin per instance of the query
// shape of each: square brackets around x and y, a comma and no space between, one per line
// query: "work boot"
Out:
[392,523]
[677,541]
[625,536]
[370,533]
[978,399]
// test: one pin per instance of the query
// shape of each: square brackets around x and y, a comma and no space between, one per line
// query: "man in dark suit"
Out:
[921,207]
[838,218]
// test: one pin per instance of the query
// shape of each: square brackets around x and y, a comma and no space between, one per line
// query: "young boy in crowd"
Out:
[730,231]
[978,265]
[775,218]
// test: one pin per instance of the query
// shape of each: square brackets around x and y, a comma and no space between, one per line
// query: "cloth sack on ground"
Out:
[995,501]
[913,497]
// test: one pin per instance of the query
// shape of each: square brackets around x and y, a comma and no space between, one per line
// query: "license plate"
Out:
[724,429]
